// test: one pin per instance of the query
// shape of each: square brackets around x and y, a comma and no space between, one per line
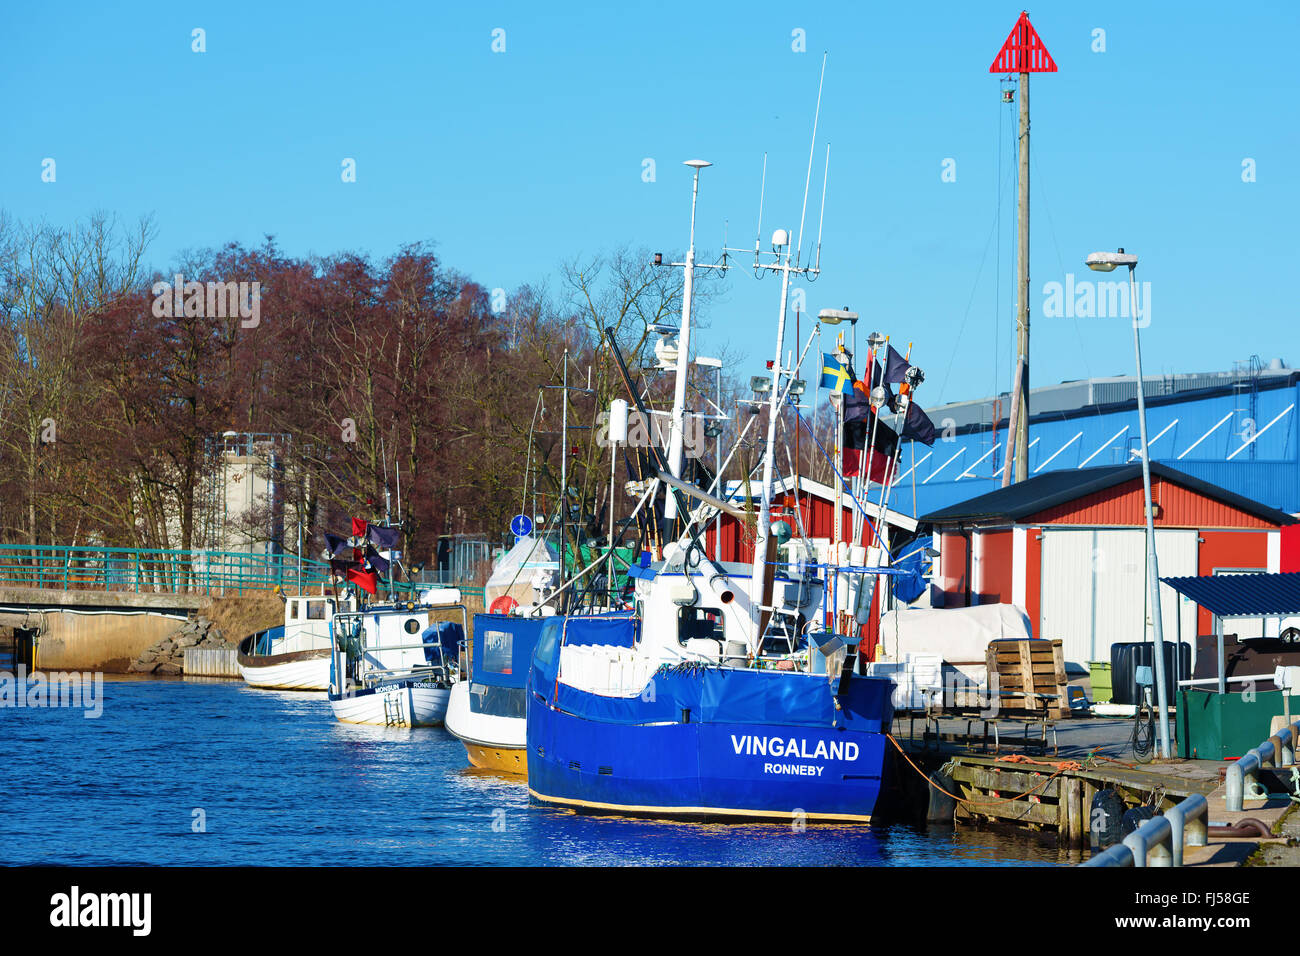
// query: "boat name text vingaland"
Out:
[790,747]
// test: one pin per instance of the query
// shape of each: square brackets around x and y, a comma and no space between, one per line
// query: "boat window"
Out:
[700,622]
[315,610]
[293,610]
[412,626]
[498,701]
[498,651]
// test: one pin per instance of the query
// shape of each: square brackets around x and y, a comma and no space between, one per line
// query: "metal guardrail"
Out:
[160,571]
[154,570]
[1277,751]
[1160,840]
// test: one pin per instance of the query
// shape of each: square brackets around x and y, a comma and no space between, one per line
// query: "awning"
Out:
[1242,595]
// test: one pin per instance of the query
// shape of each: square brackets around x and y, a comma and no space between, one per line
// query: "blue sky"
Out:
[515,161]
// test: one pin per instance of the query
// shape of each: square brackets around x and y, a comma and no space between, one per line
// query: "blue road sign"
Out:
[521,526]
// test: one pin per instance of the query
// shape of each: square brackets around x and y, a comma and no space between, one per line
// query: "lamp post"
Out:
[835,317]
[1107,262]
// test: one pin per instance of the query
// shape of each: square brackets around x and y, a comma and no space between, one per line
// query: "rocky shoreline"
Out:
[167,656]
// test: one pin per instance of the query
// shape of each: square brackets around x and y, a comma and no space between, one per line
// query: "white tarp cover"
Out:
[513,572]
[958,635]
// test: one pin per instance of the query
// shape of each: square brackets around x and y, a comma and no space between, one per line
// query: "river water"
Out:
[192,772]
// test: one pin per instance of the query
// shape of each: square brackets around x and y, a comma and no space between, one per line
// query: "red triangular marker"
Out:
[1024,51]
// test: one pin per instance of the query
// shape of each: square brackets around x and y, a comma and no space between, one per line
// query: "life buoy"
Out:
[503,604]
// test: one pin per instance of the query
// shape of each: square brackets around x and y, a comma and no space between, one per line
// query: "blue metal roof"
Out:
[1246,441]
[1242,595]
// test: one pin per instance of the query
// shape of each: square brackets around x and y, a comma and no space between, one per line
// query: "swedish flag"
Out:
[835,376]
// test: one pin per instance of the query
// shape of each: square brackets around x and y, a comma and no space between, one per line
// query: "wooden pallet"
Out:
[1030,675]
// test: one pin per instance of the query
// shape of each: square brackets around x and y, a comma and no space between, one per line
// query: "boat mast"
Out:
[786,262]
[676,439]
[781,243]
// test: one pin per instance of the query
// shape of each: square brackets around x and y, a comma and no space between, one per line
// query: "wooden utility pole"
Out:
[1022,53]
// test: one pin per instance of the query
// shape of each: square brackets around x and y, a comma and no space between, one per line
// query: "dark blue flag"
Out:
[335,545]
[895,366]
[383,538]
[917,425]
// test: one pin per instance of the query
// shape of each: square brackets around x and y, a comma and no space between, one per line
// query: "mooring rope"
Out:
[968,800]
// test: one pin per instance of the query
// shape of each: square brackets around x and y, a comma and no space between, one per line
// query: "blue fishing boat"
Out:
[730,691]
[616,724]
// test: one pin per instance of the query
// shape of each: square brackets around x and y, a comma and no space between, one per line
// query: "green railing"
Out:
[155,571]
[150,570]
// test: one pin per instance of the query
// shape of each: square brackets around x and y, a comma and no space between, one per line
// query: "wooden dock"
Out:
[1052,793]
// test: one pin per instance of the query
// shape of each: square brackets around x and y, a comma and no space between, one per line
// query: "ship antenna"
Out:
[384,457]
[758,236]
[811,148]
[821,221]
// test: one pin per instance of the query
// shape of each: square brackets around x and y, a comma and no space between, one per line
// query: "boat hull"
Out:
[394,705]
[703,771]
[309,670]
[491,742]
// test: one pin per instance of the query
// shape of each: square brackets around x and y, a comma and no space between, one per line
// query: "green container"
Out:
[1214,726]
[1099,678]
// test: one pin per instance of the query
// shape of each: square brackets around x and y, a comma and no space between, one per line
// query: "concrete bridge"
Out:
[92,630]
[98,608]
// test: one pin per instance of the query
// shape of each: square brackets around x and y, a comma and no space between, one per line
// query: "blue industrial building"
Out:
[1239,430]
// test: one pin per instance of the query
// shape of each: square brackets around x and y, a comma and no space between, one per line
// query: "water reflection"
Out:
[280,782]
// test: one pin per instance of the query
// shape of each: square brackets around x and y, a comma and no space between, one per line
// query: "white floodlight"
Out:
[836,316]
[1107,261]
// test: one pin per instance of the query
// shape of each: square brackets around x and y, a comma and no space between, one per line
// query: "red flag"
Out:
[880,466]
[366,580]
[359,527]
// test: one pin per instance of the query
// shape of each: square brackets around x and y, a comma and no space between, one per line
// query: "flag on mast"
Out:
[837,376]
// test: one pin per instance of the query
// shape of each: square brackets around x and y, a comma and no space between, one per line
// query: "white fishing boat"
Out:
[393,666]
[296,654]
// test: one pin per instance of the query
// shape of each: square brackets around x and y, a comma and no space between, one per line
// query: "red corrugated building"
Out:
[1070,548]
[816,503]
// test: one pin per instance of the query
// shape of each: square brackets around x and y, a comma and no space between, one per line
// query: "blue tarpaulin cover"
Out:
[503,648]
[711,694]
[447,635]
[910,584]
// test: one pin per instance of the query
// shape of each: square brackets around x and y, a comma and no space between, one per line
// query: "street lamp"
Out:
[835,317]
[1107,262]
